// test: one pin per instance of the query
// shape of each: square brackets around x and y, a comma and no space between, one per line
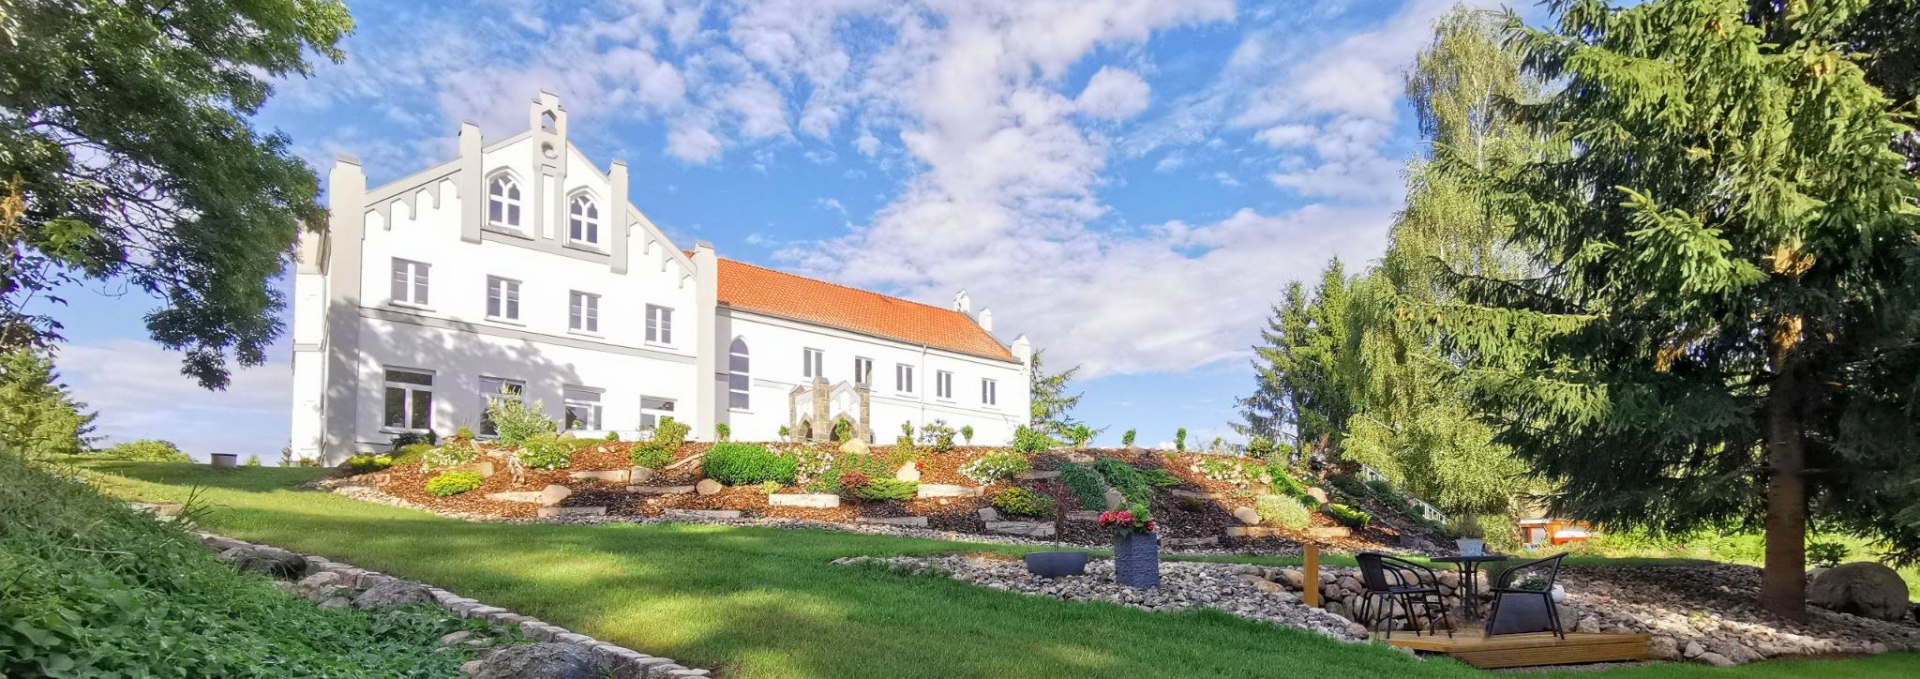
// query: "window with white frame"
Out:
[738,364]
[494,389]
[813,363]
[583,311]
[989,392]
[863,371]
[652,409]
[583,220]
[503,201]
[943,384]
[583,409]
[409,399]
[409,282]
[659,324]
[903,378]
[503,298]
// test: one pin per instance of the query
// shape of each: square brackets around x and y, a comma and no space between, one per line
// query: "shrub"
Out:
[842,430]
[1080,434]
[966,432]
[453,483]
[1285,485]
[147,450]
[995,466]
[853,480]
[888,489]
[785,432]
[1348,485]
[613,436]
[1826,554]
[651,456]
[744,464]
[770,487]
[453,452]
[364,462]
[253,460]
[1127,439]
[903,448]
[1180,439]
[906,430]
[1125,478]
[1283,511]
[669,434]
[1349,517]
[1030,440]
[1085,484]
[937,436]
[1161,478]
[514,421]
[722,431]
[546,451]
[1018,501]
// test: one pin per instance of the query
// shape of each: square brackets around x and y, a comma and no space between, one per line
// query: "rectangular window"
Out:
[659,324]
[409,282]
[903,378]
[583,311]
[503,298]
[863,371]
[943,384]
[813,363]
[583,409]
[989,392]
[494,389]
[409,399]
[652,408]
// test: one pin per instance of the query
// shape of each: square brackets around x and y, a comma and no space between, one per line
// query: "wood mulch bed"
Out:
[1179,518]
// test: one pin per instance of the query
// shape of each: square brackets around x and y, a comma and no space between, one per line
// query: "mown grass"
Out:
[762,603]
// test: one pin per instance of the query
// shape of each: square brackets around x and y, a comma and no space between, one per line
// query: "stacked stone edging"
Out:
[334,584]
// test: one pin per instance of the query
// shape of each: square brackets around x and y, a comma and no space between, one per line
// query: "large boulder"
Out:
[1863,588]
[541,661]
[392,593]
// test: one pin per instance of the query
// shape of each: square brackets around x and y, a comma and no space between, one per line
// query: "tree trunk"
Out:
[1783,585]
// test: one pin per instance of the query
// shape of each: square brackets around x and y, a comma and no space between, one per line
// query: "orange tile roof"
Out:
[774,293]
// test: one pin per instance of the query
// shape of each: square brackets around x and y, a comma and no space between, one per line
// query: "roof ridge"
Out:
[854,289]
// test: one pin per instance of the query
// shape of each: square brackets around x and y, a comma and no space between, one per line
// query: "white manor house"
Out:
[521,270]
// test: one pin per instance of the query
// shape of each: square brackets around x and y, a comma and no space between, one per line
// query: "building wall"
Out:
[776,347]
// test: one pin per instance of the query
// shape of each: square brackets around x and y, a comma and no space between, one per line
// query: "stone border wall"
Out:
[336,584]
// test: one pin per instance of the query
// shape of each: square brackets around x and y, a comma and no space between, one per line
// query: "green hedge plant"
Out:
[888,489]
[745,464]
[451,483]
[1018,501]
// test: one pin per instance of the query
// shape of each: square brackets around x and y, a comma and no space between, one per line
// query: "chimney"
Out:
[985,319]
[962,304]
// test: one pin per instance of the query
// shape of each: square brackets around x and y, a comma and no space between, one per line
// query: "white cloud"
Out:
[139,392]
[1114,94]
[692,143]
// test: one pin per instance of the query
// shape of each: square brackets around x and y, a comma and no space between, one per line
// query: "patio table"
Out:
[1470,579]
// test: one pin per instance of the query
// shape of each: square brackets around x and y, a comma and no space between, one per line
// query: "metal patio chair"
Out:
[1385,580]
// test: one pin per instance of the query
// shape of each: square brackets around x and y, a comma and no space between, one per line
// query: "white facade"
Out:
[426,294]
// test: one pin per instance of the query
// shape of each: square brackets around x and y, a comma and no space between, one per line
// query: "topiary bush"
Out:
[1085,484]
[453,483]
[546,451]
[744,464]
[888,489]
[1018,501]
[1283,511]
[995,466]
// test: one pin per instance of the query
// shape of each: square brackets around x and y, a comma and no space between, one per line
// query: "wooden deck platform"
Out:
[1525,650]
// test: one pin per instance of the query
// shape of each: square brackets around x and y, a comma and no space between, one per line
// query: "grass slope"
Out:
[764,603]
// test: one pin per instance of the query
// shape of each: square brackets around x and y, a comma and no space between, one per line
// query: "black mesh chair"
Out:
[1386,580]
[1535,578]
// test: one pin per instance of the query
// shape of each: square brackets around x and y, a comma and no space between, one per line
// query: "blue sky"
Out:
[1128,182]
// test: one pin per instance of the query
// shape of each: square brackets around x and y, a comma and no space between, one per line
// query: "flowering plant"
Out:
[1131,520]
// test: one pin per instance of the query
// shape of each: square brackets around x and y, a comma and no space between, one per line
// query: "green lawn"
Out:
[765,603]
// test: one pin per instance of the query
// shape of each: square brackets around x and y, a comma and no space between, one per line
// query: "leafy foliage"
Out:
[1161,478]
[651,456]
[1283,511]
[515,421]
[1126,439]
[1349,517]
[95,589]
[451,483]
[966,433]
[546,450]
[38,417]
[368,462]
[1126,478]
[1018,501]
[1080,434]
[1085,484]
[745,464]
[722,431]
[1826,554]
[1180,439]
[1299,388]
[126,129]
[995,466]
[146,450]
[670,434]
[887,488]
[1031,440]
[937,436]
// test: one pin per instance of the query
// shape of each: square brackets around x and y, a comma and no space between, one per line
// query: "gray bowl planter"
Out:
[1057,564]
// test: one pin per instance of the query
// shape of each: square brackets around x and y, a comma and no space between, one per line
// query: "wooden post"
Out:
[1310,589]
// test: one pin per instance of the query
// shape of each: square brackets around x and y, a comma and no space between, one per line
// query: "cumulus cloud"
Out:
[692,143]
[1114,94]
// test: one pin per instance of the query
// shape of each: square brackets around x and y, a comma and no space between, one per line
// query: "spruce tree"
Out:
[1300,393]
[38,416]
[1051,405]
[1724,325]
